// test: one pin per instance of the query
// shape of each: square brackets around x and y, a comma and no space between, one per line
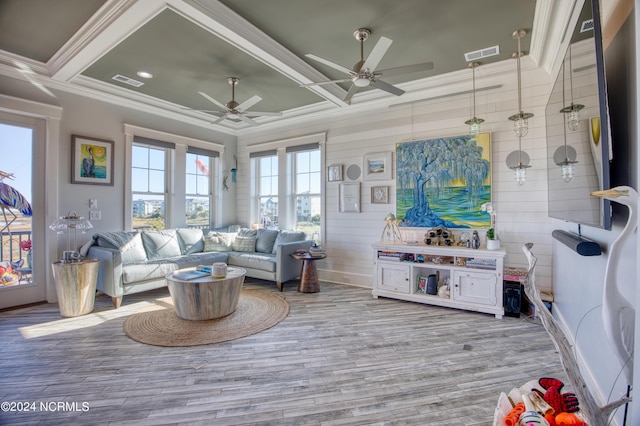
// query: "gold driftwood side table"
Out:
[76,286]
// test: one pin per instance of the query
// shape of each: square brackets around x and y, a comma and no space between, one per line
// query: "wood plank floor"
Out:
[339,358]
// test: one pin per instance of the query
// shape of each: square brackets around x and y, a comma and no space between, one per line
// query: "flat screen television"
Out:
[581,82]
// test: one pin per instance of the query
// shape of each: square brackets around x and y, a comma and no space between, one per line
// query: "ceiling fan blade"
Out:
[376,54]
[248,120]
[208,111]
[352,91]
[263,114]
[406,69]
[249,103]
[342,80]
[220,119]
[379,84]
[331,64]
[210,99]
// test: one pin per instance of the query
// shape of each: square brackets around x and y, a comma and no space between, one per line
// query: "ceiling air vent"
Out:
[586,25]
[127,80]
[482,53]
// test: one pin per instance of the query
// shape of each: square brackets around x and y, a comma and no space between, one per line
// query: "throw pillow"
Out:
[128,243]
[246,232]
[288,237]
[161,244]
[266,239]
[247,244]
[218,241]
[190,240]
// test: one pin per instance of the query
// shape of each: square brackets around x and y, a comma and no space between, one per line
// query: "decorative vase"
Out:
[493,244]
[29,260]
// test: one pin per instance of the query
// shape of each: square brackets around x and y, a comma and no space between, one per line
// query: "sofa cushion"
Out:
[288,237]
[190,240]
[128,243]
[266,239]
[154,269]
[261,261]
[218,241]
[161,244]
[244,244]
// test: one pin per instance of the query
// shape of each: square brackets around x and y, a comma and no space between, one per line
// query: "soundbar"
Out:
[581,245]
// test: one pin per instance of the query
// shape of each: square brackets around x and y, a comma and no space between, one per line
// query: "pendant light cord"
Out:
[519,80]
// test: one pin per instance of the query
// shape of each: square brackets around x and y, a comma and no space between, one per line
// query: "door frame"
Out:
[45,121]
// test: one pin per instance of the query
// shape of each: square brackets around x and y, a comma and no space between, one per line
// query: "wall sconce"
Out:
[521,119]
[475,122]
[71,223]
[573,110]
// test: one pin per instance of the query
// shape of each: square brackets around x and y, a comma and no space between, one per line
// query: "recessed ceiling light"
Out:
[145,74]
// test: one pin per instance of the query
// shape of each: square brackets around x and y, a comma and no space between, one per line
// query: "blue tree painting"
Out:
[443,182]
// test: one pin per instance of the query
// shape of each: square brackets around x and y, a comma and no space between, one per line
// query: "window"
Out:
[198,187]
[308,191]
[264,166]
[267,190]
[287,184]
[149,183]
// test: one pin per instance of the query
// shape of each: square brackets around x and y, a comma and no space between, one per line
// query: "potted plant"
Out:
[493,243]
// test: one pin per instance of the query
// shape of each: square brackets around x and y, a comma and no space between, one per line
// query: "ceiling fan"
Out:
[235,111]
[363,73]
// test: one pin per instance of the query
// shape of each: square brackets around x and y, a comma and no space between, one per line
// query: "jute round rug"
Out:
[159,325]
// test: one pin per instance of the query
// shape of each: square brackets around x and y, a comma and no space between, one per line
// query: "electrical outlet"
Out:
[95,215]
[93,203]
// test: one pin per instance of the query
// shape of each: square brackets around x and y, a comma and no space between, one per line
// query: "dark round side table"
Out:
[309,274]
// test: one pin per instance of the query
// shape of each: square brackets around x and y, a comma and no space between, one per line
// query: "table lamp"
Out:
[71,223]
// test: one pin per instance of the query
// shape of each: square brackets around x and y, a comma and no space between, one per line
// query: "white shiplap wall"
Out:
[351,133]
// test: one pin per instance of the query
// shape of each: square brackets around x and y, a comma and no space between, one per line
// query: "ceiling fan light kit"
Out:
[364,74]
[233,110]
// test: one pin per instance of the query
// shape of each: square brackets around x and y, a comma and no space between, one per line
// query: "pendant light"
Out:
[475,122]
[518,161]
[573,110]
[521,119]
[565,156]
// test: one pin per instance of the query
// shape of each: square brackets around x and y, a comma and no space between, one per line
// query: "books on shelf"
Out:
[481,263]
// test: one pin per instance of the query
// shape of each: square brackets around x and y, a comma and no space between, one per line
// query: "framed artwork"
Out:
[349,197]
[421,285]
[444,182]
[380,194]
[91,161]
[377,166]
[334,173]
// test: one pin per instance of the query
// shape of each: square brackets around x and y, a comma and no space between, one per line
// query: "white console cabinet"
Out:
[474,277]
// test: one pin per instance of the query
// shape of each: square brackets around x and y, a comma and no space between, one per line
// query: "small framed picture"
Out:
[334,173]
[380,195]
[349,197]
[91,161]
[421,285]
[377,166]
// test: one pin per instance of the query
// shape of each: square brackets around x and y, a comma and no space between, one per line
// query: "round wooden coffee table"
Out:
[309,282]
[205,298]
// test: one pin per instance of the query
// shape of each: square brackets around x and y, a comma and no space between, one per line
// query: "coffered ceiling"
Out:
[193,46]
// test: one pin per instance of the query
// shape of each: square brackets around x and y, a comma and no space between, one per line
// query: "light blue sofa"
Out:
[132,262]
